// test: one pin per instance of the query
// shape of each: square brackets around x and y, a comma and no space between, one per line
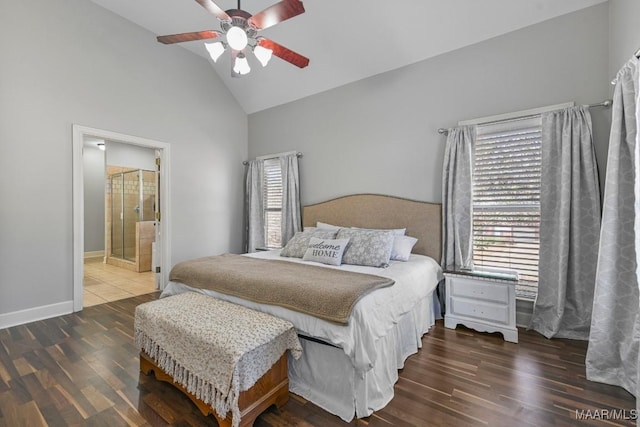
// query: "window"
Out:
[506,199]
[272,202]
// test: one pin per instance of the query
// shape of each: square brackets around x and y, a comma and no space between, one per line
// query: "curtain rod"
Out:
[605,103]
[246,162]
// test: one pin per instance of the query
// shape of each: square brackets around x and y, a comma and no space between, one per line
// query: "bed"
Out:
[350,369]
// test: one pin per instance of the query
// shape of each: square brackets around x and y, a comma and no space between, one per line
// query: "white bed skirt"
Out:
[325,376]
[386,327]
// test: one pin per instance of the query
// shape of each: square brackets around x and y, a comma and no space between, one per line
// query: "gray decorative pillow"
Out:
[325,226]
[297,246]
[396,231]
[326,251]
[367,247]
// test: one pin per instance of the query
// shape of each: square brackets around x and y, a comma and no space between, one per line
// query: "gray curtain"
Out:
[291,215]
[457,216]
[569,225]
[254,205]
[612,356]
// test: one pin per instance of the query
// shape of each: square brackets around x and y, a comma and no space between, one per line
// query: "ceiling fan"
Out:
[240,33]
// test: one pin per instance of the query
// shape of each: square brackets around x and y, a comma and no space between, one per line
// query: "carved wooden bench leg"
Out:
[271,389]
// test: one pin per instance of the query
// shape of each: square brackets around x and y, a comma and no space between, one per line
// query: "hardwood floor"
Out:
[82,369]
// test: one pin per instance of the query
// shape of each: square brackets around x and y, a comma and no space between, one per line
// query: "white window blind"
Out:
[272,202]
[506,199]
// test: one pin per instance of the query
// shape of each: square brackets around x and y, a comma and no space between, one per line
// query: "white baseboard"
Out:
[29,315]
[94,254]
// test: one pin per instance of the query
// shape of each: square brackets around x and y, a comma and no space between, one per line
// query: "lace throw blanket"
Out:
[213,348]
[325,293]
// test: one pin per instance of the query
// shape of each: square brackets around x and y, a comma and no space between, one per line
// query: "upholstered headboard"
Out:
[422,220]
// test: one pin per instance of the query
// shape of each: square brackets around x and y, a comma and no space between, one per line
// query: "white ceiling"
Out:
[345,40]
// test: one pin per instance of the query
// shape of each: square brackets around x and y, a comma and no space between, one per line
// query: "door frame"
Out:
[164,150]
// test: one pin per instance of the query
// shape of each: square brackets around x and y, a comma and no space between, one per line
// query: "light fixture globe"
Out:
[215,50]
[237,38]
[241,65]
[262,54]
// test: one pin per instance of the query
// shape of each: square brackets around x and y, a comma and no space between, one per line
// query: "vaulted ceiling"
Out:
[346,40]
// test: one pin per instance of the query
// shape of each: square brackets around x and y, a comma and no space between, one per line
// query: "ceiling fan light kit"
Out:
[237,38]
[241,65]
[262,54]
[240,29]
[215,50]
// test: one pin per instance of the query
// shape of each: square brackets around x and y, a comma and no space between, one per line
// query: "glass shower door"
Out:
[132,201]
[116,215]
[130,213]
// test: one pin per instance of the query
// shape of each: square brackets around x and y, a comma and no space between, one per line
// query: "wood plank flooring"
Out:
[82,369]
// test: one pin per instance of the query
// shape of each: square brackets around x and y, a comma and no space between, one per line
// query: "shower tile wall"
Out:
[149,192]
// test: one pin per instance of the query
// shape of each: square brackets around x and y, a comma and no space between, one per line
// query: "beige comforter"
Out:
[325,293]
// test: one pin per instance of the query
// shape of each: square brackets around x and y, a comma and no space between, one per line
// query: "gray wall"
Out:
[130,156]
[624,32]
[94,198]
[380,135]
[70,61]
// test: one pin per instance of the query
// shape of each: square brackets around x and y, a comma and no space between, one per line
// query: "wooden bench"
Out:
[271,389]
[159,323]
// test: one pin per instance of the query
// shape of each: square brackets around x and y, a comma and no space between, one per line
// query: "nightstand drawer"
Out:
[476,289]
[480,310]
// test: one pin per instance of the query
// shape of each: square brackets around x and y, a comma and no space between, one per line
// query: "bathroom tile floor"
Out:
[106,283]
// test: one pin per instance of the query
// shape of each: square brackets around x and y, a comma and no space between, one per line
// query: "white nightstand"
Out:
[482,303]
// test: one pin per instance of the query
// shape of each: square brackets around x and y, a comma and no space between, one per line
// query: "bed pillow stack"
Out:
[402,245]
[357,246]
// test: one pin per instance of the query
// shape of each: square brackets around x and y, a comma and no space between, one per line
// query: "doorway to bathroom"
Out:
[121,232]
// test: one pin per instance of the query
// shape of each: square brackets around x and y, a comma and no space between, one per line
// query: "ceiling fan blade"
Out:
[188,37]
[284,53]
[277,13]
[214,9]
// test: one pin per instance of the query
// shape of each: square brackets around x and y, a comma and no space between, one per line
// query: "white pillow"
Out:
[325,226]
[326,251]
[402,246]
